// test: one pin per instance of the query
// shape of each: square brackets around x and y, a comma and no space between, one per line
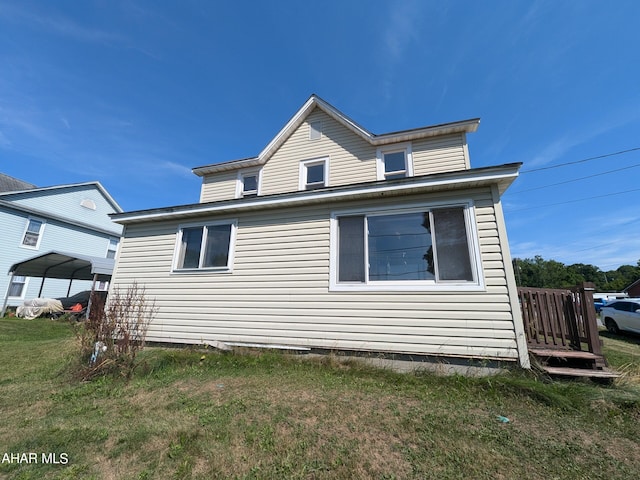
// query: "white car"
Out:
[622,315]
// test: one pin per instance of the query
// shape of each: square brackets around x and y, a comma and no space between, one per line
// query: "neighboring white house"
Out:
[336,238]
[71,218]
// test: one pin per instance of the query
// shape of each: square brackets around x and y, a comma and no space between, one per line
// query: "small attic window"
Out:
[88,203]
[315,130]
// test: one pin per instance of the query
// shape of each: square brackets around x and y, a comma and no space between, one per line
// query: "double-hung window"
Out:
[394,161]
[248,184]
[205,247]
[314,174]
[33,233]
[17,287]
[112,249]
[416,248]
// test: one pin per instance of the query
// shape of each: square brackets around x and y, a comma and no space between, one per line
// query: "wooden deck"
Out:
[562,331]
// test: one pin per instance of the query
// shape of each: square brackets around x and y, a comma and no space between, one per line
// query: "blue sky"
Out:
[136,93]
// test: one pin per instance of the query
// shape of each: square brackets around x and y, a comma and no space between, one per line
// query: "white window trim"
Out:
[191,271]
[40,233]
[24,289]
[240,181]
[117,240]
[409,285]
[302,173]
[396,147]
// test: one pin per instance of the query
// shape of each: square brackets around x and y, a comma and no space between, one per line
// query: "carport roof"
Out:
[70,266]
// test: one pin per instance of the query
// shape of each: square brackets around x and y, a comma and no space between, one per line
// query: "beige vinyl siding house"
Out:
[414,263]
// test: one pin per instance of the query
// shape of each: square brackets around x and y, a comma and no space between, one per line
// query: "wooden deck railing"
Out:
[560,319]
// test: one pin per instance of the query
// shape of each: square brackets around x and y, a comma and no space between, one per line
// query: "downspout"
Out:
[512,289]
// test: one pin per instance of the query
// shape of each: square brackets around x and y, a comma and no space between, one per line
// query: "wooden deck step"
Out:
[551,353]
[580,372]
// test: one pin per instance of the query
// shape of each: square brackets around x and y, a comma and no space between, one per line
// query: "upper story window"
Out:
[33,233]
[394,161]
[422,248]
[314,174]
[112,249]
[205,247]
[248,184]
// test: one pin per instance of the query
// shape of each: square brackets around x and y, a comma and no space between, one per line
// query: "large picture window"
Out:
[205,247]
[419,247]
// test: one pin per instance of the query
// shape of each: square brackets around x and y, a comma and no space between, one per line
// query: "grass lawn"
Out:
[186,414]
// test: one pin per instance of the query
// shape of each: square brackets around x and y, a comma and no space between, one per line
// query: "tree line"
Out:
[540,273]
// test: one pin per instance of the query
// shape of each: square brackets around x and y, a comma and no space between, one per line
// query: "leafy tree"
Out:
[540,273]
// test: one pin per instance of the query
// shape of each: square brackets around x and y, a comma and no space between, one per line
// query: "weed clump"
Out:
[115,332]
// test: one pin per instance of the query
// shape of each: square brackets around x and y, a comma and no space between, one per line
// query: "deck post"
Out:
[589,316]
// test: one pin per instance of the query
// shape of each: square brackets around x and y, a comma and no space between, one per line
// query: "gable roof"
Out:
[313,102]
[5,195]
[11,184]
[637,282]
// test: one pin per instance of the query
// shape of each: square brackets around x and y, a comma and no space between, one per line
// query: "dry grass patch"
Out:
[265,415]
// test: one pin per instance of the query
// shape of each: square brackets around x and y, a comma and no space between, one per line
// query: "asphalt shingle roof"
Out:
[10,184]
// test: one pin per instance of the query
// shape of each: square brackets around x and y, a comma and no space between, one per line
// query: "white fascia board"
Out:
[463,126]
[506,173]
[49,216]
[466,126]
[227,166]
[96,184]
[300,116]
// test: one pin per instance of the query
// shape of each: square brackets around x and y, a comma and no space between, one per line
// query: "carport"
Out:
[62,265]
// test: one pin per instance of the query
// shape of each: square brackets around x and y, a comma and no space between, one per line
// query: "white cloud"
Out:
[616,118]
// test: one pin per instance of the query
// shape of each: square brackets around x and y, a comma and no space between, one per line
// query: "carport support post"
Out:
[6,297]
[41,287]
[93,288]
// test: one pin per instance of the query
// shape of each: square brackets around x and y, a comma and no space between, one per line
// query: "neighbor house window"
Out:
[112,249]
[394,161]
[205,247]
[248,184]
[417,247]
[314,174]
[17,287]
[33,233]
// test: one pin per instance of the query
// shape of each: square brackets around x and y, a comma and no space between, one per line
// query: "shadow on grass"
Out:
[627,337]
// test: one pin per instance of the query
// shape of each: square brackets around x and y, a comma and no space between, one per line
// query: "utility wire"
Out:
[576,179]
[581,161]
[635,220]
[574,201]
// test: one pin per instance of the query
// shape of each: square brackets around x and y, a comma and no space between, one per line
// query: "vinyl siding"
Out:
[55,235]
[278,292]
[351,159]
[65,202]
[440,154]
[218,187]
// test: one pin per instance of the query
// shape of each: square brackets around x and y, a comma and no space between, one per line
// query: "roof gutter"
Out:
[502,175]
